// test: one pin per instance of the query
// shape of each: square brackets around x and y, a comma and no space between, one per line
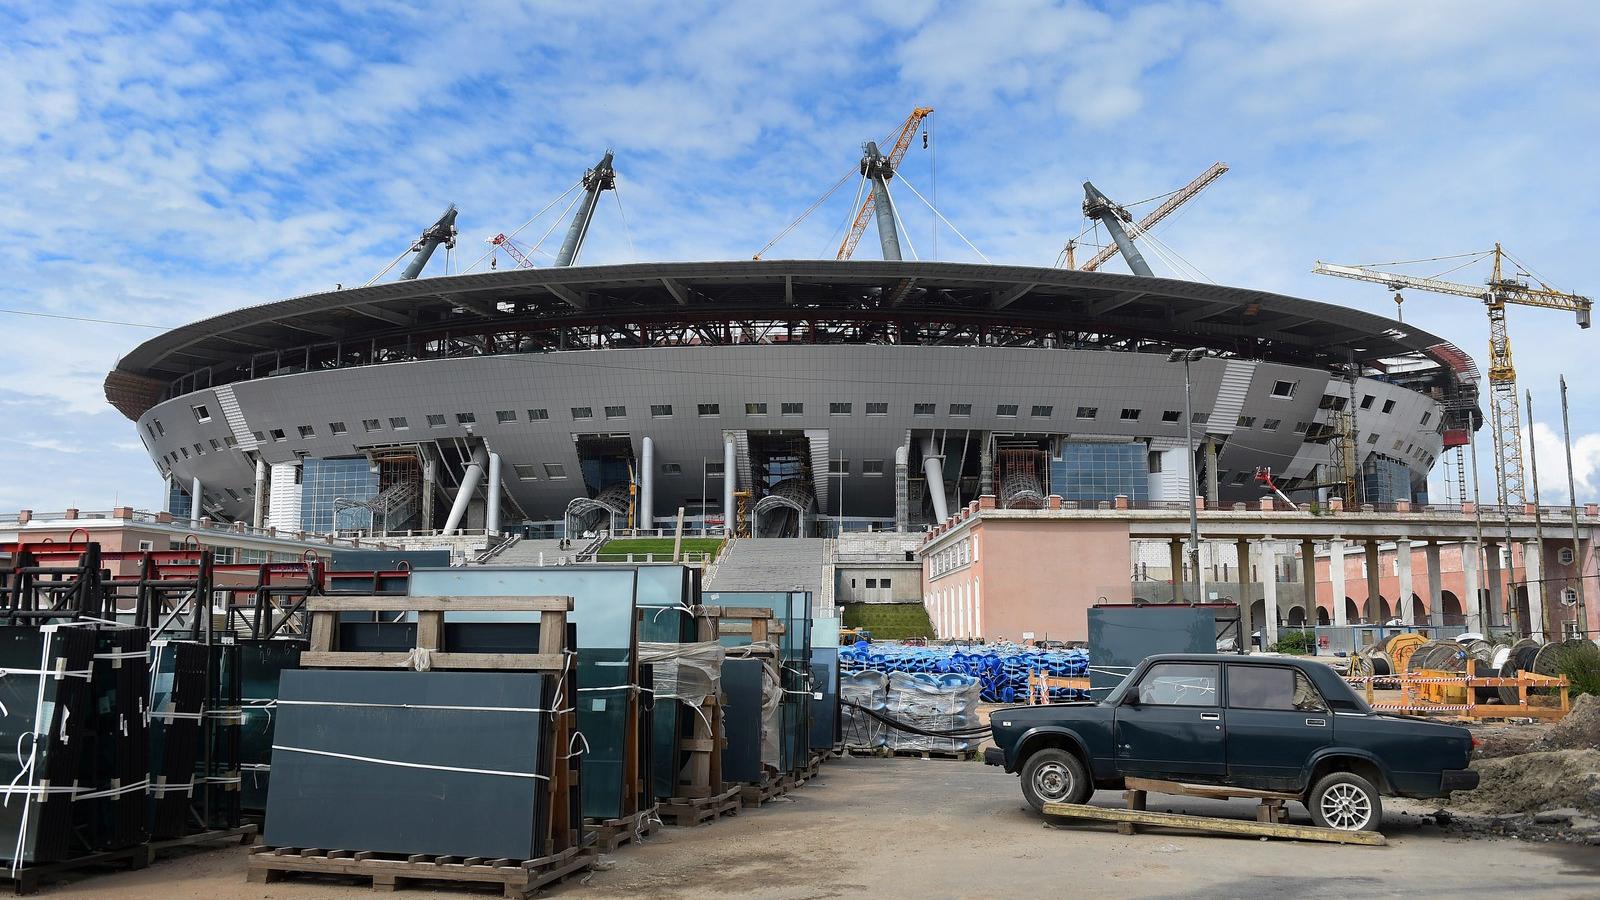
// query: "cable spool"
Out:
[1400,647]
[1518,658]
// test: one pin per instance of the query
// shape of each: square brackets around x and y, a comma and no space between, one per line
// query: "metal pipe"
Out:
[1582,612]
[600,178]
[933,471]
[728,481]
[440,232]
[194,499]
[1097,205]
[430,479]
[469,483]
[491,517]
[259,513]
[878,169]
[647,483]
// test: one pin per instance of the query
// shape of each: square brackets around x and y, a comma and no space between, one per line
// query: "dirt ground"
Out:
[891,828]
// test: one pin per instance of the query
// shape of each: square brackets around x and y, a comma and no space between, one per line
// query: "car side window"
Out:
[1180,684]
[1272,687]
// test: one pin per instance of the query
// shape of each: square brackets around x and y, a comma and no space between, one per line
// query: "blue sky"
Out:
[166,162]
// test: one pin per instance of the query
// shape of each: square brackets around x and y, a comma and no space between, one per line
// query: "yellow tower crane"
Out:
[1504,410]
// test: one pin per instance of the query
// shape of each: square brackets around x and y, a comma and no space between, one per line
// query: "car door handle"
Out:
[1210,717]
[1317,723]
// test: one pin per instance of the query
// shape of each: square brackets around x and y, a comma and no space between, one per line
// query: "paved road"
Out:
[935,829]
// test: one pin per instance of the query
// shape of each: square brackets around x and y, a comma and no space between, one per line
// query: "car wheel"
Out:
[1345,801]
[1053,775]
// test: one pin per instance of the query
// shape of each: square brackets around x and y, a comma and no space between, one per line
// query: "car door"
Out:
[1276,722]
[1170,725]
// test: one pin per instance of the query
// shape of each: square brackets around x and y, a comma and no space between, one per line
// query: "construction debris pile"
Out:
[1001,670]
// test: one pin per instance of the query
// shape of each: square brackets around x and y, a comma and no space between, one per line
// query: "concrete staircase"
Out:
[772,564]
[527,552]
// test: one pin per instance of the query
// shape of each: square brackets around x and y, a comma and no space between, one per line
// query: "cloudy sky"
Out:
[164,162]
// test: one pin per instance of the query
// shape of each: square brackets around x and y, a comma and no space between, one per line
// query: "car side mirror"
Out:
[1132,699]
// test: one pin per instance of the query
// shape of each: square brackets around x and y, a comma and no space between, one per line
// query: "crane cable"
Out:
[536,215]
[936,212]
[616,194]
[850,219]
[802,217]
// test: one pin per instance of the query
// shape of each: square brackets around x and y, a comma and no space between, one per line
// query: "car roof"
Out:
[1228,657]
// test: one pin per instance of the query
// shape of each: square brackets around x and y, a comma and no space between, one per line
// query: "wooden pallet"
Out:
[27,879]
[688,812]
[631,829]
[390,871]
[752,795]
[1137,817]
[964,755]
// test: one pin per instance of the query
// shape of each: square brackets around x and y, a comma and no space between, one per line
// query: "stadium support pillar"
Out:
[933,471]
[1491,558]
[1430,556]
[469,484]
[1374,586]
[1096,205]
[1341,615]
[647,483]
[1241,550]
[1269,592]
[430,479]
[491,517]
[258,515]
[729,461]
[440,232]
[600,178]
[1308,578]
[194,499]
[1473,601]
[1211,471]
[1402,562]
[876,167]
[902,511]
[1532,573]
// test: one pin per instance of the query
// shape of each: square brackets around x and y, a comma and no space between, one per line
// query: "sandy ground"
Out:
[932,829]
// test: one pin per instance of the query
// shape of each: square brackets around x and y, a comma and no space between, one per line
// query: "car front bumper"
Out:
[994,756]
[1458,780]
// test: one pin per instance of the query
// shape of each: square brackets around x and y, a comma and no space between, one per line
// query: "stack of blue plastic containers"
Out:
[1002,670]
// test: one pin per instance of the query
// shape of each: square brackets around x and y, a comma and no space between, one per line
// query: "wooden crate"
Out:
[391,871]
[688,813]
[630,829]
[27,879]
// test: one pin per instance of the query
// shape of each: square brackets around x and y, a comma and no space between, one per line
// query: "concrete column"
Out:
[1430,556]
[729,480]
[1341,615]
[1308,578]
[194,499]
[430,480]
[1211,470]
[1495,615]
[1175,549]
[1269,587]
[933,471]
[1533,573]
[258,515]
[647,483]
[1472,603]
[1402,556]
[491,514]
[1241,549]
[469,484]
[1374,585]
[902,511]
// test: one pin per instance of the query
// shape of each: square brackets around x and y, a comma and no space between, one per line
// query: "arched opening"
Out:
[1322,616]
[1419,612]
[1352,610]
[1297,617]
[1258,614]
[1378,610]
[1453,613]
[1517,610]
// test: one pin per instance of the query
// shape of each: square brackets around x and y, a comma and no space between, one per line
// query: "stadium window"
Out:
[661,410]
[1153,462]
[231,441]
[436,420]
[1398,443]
[1388,406]
[755,409]
[710,409]
[201,414]
[526,471]
[1284,389]
[877,409]
[215,446]
[872,467]
[1088,412]
[184,451]
[502,416]
[1302,427]
[1427,417]
[371,425]
[1372,438]
[582,412]
[671,469]
[307,432]
[1366,402]
[1200,418]
[199,450]
[713,469]
[838,467]
[872,584]
[337,427]
[466,419]
[1043,412]
[1130,415]
[883,582]
[160,429]
[1171,416]
[278,435]
[792,409]
[961,409]
[838,409]
[537,415]
[1271,424]
[1008,410]
[260,438]
[399,423]
[1241,477]
[555,470]
[151,430]
[616,412]
[233,494]
[1247,421]
[922,409]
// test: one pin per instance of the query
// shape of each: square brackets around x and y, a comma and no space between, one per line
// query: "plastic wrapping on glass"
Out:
[793,611]
[604,612]
[932,703]
[260,665]
[869,689]
[664,600]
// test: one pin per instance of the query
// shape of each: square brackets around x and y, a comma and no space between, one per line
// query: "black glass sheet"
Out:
[741,719]
[410,762]
[111,815]
[260,665]
[45,720]
[178,690]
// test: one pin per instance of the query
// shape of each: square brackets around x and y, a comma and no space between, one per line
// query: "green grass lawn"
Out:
[889,621]
[618,550]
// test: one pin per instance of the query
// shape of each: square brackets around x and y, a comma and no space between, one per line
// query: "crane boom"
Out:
[500,240]
[1180,197]
[902,142]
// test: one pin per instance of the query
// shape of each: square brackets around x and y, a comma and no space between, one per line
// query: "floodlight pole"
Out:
[1186,357]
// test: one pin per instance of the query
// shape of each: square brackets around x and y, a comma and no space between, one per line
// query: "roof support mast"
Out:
[879,169]
[1096,204]
[440,232]
[600,178]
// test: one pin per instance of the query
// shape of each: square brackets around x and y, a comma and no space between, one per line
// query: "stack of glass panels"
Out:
[217,775]
[45,720]
[665,616]
[793,611]
[444,763]
[260,664]
[115,754]
[177,700]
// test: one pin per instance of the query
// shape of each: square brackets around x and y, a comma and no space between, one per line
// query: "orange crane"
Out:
[902,142]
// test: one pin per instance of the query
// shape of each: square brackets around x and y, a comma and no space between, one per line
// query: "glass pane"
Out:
[1179,684]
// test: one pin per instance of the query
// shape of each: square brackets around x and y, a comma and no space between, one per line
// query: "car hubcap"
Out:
[1346,807]
[1052,782]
